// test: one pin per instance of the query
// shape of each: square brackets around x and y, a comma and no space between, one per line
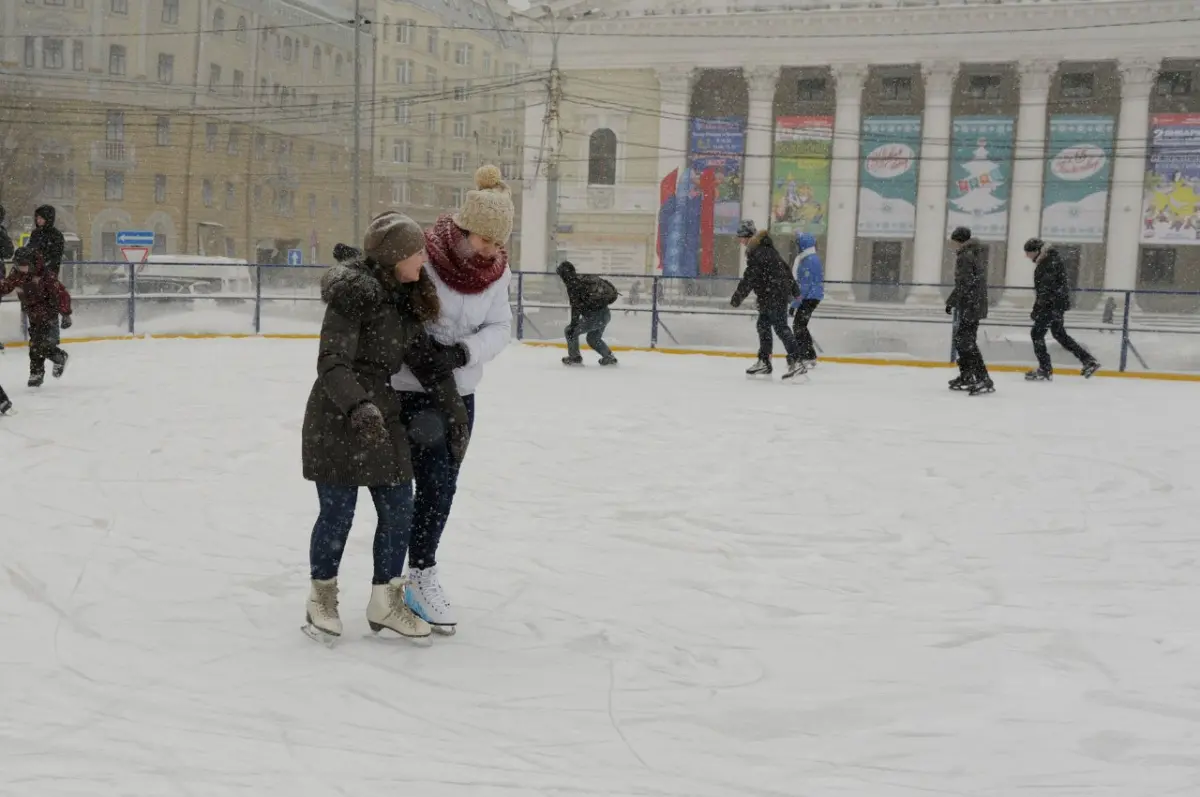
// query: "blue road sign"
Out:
[295,257]
[135,238]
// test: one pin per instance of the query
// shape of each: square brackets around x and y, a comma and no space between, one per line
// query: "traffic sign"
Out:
[295,257]
[135,254]
[135,238]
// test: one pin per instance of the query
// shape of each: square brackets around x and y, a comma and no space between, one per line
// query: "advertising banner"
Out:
[981,152]
[1169,210]
[887,193]
[1078,167]
[800,175]
[718,144]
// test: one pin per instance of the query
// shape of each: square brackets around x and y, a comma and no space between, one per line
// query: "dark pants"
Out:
[43,345]
[970,360]
[591,323]
[436,478]
[808,350]
[774,319]
[1053,322]
[393,505]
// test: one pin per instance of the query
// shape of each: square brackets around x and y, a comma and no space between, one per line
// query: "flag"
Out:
[666,212]
[708,208]
[689,208]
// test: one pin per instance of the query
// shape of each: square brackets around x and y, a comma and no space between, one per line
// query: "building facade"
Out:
[878,130]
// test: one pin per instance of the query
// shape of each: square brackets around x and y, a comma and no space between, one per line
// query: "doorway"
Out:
[885,271]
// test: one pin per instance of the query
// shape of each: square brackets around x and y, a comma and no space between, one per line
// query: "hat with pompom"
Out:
[488,210]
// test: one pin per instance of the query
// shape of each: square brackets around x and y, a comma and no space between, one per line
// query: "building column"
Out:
[534,194]
[1128,175]
[843,178]
[1028,174]
[674,113]
[760,147]
[932,179]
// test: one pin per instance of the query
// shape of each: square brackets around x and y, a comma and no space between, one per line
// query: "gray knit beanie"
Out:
[392,237]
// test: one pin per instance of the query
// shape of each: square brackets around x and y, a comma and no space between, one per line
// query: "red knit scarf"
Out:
[451,257]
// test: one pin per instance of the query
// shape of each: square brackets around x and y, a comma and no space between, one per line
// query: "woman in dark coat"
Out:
[354,435]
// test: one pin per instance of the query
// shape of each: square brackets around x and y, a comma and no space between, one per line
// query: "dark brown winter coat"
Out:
[970,294]
[369,332]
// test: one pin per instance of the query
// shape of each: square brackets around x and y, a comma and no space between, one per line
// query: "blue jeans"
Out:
[436,477]
[393,505]
[592,324]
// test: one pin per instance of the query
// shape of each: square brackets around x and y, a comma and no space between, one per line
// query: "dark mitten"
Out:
[460,438]
[455,356]
[445,394]
[66,322]
[949,309]
[367,422]
[791,310]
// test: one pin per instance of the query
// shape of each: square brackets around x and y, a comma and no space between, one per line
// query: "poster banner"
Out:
[718,144]
[800,175]
[887,193]
[1170,215]
[981,151]
[1078,167]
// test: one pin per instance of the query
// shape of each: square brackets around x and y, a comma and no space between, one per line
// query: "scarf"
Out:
[456,265]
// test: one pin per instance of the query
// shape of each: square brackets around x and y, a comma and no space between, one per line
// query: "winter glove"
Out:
[791,310]
[949,309]
[456,356]
[66,322]
[367,422]
[459,439]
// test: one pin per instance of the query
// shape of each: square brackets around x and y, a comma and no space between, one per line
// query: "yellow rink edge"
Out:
[550,344]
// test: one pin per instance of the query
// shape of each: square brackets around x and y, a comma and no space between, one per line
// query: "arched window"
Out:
[219,21]
[287,48]
[602,157]
[317,57]
[241,29]
[337,65]
[386,23]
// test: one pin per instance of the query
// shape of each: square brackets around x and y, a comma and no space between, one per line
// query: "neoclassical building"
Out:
[877,127]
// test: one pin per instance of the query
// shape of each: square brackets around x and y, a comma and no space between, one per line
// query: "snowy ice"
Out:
[671,580]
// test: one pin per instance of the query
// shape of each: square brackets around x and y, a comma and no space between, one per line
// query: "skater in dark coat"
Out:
[1051,302]
[767,276]
[44,301]
[46,239]
[590,298]
[970,299]
[354,434]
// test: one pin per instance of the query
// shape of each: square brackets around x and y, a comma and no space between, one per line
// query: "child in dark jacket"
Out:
[768,278]
[590,298]
[44,300]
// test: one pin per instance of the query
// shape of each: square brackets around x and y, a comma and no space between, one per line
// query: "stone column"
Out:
[674,105]
[534,194]
[931,182]
[843,178]
[760,146]
[1028,173]
[1129,168]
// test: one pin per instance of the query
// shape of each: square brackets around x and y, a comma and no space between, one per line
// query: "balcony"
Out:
[112,155]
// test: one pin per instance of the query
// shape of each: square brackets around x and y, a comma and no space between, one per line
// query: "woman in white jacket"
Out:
[469,267]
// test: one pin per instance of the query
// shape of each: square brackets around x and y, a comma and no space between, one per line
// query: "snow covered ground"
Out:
[672,581]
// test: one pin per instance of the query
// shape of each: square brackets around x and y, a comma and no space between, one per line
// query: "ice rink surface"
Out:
[671,581]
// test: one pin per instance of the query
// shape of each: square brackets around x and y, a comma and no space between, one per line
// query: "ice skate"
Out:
[1089,369]
[811,364]
[609,360]
[982,387]
[387,609]
[60,367]
[961,383]
[795,368]
[426,598]
[6,406]
[36,380]
[573,361]
[321,613]
[760,368]
[1038,375]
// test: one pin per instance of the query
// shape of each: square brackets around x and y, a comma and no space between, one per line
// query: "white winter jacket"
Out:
[480,321]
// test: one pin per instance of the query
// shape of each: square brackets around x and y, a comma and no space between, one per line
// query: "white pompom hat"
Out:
[488,211]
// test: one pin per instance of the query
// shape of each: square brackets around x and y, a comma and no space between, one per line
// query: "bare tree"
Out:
[22,124]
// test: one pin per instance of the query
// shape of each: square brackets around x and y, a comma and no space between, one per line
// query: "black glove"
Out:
[367,422]
[949,309]
[456,355]
[459,439]
[66,321]
[791,310]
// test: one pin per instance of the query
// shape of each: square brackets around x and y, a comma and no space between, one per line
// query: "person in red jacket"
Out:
[44,299]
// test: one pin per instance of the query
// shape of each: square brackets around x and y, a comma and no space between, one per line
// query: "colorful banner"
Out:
[718,144]
[708,203]
[1169,212]
[800,175]
[887,193]
[1078,166]
[666,215]
[981,151]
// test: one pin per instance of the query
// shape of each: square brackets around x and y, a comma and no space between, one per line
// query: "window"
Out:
[1078,85]
[214,77]
[458,162]
[896,89]
[431,43]
[170,12]
[510,171]
[30,52]
[262,89]
[312,155]
[983,87]
[258,195]
[338,62]
[428,159]
[431,122]
[160,243]
[1157,268]
[457,196]
[287,48]
[335,207]
[312,206]
[114,186]
[405,31]
[218,26]
[387,24]
[114,126]
[260,146]
[462,54]
[166,68]
[206,193]
[400,192]
[240,35]
[487,62]
[52,53]
[108,247]
[239,81]
[460,127]
[403,112]
[163,131]
[116,59]
[810,89]
[431,77]
[77,56]
[506,139]
[210,137]
[385,71]
[404,72]
[401,151]
[461,93]
[235,141]
[160,188]
[230,248]
[317,57]
[602,157]
[1174,84]
[118,6]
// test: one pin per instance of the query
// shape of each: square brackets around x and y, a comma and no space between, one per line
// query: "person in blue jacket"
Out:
[810,275]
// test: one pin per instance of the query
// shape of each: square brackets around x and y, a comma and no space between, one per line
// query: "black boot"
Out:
[573,360]
[961,382]
[1090,368]
[761,368]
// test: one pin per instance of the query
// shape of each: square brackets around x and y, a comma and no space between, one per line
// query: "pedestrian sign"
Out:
[295,257]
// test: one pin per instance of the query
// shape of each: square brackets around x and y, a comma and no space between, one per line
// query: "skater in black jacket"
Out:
[770,280]
[590,298]
[970,299]
[1050,305]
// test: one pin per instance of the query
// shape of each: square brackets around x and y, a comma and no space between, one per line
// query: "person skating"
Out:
[468,265]
[354,434]
[769,279]
[1051,302]
[6,250]
[590,297]
[970,299]
[46,239]
[810,277]
[46,304]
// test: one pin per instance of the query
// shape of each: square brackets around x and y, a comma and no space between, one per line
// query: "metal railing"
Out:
[120,299]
